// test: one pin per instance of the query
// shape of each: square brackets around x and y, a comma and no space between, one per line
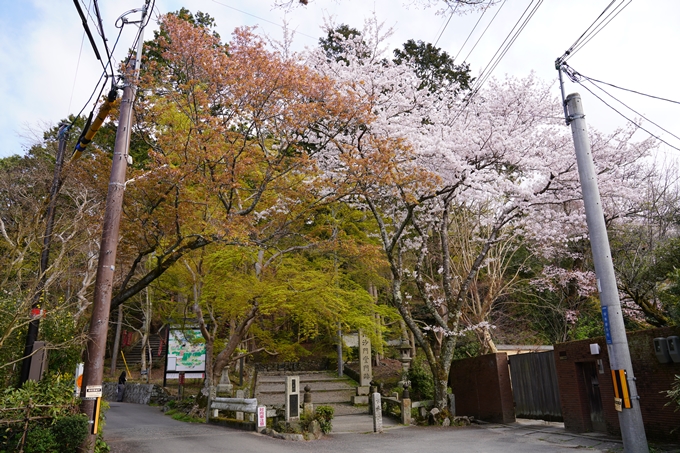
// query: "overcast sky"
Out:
[45,74]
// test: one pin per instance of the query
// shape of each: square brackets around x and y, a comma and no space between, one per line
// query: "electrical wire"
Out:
[590,79]
[87,31]
[149,7]
[574,76]
[75,76]
[101,33]
[473,30]
[628,119]
[89,15]
[595,27]
[447,24]
[484,32]
[102,76]
[599,28]
[493,63]
[570,49]
[503,49]
[261,18]
[636,112]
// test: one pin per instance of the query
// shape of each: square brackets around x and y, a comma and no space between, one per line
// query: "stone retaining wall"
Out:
[136,393]
[308,365]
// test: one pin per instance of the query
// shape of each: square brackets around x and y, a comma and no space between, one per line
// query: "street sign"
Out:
[93,391]
[261,416]
[618,404]
[607,327]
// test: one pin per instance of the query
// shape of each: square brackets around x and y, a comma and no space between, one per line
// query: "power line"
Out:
[75,76]
[101,32]
[591,32]
[87,31]
[570,49]
[503,49]
[484,32]
[486,73]
[102,76]
[600,27]
[590,79]
[447,24]
[261,18]
[89,15]
[624,116]
[473,30]
[149,6]
[576,77]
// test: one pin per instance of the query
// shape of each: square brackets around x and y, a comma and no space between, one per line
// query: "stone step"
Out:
[349,391]
[282,379]
[326,388]
[314,386]
[344,408]
[317,398]
[134,355]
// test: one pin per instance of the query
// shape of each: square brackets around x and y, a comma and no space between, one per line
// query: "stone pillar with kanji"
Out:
[366,374]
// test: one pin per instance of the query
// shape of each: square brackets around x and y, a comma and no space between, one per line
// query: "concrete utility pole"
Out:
[99,323]
[630,417]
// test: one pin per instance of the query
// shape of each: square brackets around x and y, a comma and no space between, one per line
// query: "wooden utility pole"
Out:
[99,322]
[630,416]
[33,326]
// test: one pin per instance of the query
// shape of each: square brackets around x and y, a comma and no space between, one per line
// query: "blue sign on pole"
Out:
[605,320]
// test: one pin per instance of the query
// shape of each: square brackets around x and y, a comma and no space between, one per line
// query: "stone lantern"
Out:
[405,359]
[405,354]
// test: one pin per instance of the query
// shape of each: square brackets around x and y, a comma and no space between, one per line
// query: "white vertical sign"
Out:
[261,417]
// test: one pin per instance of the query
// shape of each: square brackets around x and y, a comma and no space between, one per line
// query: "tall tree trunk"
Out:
[116,341]
[488,345]
[145,330]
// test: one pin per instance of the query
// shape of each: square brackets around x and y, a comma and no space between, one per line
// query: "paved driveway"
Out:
[132,428]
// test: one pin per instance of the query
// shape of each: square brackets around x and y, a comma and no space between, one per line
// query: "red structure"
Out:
[587,389]
[481,386]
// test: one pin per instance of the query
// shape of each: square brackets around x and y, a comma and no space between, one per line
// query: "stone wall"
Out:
[307,365]
[652,380]
[482,388]
[136,393]
[351,373]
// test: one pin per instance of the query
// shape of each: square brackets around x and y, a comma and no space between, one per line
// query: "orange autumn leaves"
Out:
[231,122]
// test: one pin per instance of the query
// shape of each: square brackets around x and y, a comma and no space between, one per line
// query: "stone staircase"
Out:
[327,390]
[133,354]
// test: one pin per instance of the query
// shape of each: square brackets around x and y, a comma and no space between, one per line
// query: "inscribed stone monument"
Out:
[366,374]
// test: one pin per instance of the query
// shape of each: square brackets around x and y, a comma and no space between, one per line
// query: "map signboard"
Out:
[186,353]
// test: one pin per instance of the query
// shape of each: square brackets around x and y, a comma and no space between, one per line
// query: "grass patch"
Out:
[182,417]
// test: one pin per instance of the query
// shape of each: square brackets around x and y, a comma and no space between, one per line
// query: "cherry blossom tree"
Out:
[421,159]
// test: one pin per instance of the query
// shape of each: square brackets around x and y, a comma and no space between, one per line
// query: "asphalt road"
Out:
[132,428]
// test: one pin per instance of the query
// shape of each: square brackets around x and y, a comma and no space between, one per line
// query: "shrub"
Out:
[41,440]
[422,384]
[60,430]
[70,431]
[324,415]
[674,393]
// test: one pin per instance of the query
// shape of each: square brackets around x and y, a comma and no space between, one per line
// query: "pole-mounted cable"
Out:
[87,30]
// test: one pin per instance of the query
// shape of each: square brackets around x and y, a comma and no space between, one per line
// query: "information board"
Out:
[185,353]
